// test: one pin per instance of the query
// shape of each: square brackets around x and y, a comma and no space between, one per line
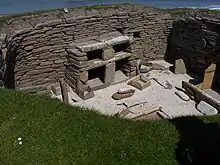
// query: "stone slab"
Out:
[108,54]
[120,77]
[64,91]
[140,83]
[119,96]
[180,67]
[118,40]
[109,36]
[84,76]
[209,76]
[206,108]
[86,94]
[90,46]
[96,84]
[109,73]
[200,95]
[159,65]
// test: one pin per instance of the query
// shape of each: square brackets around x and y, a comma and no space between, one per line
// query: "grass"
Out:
[54,133]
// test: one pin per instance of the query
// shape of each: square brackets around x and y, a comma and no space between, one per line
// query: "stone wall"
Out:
[37,44]
[197,41]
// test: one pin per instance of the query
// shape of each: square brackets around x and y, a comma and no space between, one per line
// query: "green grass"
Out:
[54,133]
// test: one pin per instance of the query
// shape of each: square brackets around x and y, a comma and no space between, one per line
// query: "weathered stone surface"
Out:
[206,108]
[109,73]
[64,91]
[86,94]
[140,83]
[180,67]
[108,54]
[159,65]
[119,96]
[182,95]
[28,48]
[209,77]
[144,69]
[90,46]
[84,76]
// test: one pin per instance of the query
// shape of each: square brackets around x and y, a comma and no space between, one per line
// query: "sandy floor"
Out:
[154,96]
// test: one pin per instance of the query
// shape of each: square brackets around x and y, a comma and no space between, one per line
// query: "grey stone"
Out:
[90,46]
[84,76]
[76,52]
[206,108]
[140,83]
[182,95]
[180,67]
[109,73]
[28,48]
[86,94]
[145,69]
[108,54]
[119,96]
[118,40]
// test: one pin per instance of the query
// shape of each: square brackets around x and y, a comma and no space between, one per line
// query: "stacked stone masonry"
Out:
[45,48]
[196,40]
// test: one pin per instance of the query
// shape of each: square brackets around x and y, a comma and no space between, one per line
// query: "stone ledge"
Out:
[98,63]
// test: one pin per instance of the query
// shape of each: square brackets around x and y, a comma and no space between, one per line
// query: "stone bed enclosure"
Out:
[90,49]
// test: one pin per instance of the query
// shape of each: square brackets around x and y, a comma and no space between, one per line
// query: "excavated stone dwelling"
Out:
[91,49]
[88,49]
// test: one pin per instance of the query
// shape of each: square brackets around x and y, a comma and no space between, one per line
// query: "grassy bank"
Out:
[55,133]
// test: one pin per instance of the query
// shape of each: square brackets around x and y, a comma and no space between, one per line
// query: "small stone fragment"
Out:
[182,95]
[206,108]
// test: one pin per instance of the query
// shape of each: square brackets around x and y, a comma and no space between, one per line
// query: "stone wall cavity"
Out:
[196,40]
[40,42]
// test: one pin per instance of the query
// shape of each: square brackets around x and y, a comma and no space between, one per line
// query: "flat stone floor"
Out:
[154,96]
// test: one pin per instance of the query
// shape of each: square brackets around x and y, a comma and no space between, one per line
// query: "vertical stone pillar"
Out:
[209,76]
[64,91]
[108,53]
[109,73]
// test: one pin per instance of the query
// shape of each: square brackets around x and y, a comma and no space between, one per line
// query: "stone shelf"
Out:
[98,63]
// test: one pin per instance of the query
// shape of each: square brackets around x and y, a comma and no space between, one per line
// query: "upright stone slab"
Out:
[64,91]
[84,76]
[180,67]
[109,73]
[209,76]
[108,54]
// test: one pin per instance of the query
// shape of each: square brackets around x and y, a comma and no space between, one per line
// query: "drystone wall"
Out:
[196,40]
[37,44]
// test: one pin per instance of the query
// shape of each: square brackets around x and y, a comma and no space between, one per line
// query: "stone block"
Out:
[140,83]
[84,76]
[206,108]
[109,73]
[64,91]
[209,76]
[123,95]
[87,94]
[180,67]
[108,53]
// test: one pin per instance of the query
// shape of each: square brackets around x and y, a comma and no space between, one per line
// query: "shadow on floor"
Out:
[199,141]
